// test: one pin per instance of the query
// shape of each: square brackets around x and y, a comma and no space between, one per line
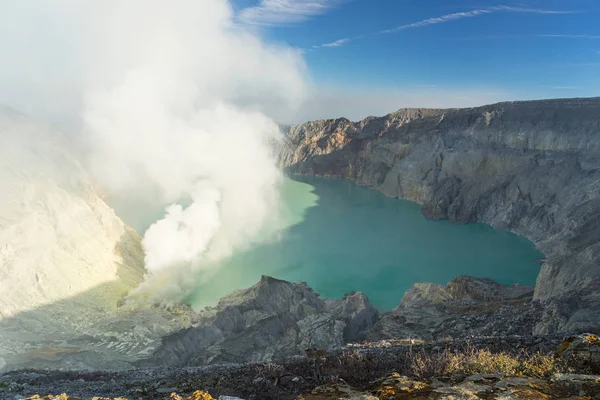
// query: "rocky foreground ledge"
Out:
[275,320]
[510,368]
[281,340]
[531,167]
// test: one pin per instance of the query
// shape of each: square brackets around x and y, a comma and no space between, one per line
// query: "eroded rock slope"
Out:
[272,320]
[58,238]
[66,261]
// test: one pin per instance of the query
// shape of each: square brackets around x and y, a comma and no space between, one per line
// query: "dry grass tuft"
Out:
[482,361]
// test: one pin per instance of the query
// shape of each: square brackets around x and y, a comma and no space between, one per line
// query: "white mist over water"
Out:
[175,100]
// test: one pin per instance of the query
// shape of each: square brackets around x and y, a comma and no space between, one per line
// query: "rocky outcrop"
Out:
[466,306]
[276,320]
[463,289]
[586,345]
[272,320]
[529,167]
[493,386]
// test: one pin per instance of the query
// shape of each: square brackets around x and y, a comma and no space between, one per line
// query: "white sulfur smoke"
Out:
[173,98]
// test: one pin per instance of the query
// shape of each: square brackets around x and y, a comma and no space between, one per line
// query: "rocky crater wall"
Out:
[530,167]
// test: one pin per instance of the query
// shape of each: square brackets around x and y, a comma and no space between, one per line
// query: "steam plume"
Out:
[173,98]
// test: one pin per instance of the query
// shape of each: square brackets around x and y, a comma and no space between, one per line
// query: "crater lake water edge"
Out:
[340,237]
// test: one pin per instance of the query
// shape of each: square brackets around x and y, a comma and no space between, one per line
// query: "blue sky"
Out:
[374,56]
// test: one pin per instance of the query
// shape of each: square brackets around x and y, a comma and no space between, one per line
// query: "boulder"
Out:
[271,320]
[584,346]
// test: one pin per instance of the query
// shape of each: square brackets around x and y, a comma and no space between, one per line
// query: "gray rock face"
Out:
[528,167]
[272,320]
[463,289]
[586,345]
[466,306]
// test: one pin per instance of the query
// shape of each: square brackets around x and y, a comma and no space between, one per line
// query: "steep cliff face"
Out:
[272,320]
[529,167]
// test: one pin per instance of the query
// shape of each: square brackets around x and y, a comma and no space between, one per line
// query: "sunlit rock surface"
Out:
[66,261]
[57,236]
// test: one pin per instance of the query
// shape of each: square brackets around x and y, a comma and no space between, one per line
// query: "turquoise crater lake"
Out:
[339,237]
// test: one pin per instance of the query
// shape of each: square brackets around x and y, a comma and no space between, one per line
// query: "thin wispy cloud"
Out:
[565,87]
[439,20]
[571,36]
[456,16]
[526,36]
[337,43]
[284,12]
[533,10]
[474,13]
